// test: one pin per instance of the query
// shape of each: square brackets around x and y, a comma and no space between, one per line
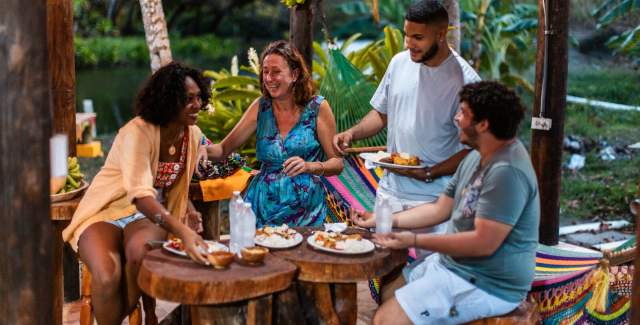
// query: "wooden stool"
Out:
[526,313]
[135,317]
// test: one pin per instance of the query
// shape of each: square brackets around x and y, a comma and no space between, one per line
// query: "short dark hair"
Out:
[303,88]
[496,103]
[427,12]
[163,95]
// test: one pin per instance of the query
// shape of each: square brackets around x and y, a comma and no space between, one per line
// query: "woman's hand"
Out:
[200,158]
[194,221]
[295,166]
[395,240]
[194,246]
[362,218]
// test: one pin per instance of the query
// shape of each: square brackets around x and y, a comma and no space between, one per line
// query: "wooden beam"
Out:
[62,68]
[26,259]
[546,146]
[155,30]
[301,29]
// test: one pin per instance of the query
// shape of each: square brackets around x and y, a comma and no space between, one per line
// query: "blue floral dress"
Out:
[275,197]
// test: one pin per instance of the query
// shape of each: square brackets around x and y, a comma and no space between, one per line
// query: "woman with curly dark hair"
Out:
[140,194]
[293,130]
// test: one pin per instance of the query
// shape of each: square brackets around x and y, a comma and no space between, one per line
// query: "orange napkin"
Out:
[222,188]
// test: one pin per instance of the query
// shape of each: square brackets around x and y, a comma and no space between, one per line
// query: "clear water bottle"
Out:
[235,221]
[249,224]
[384,216]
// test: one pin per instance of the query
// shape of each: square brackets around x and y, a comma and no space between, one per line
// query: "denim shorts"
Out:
[123,222]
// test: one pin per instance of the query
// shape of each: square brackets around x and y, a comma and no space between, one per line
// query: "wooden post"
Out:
[62,74]
[301,29]
[155,30]
[546,146]
[25,128]
[62,68]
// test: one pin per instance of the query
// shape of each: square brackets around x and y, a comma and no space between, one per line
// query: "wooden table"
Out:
[239,294]
[65,265]
[329,281]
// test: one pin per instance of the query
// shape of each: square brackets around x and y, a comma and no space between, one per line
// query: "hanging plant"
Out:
[291,3]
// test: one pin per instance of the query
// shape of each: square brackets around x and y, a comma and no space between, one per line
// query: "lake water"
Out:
[112,91]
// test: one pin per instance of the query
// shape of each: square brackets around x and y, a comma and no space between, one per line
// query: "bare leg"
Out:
[136,235]
[389,289]
[100,248]
[391,313]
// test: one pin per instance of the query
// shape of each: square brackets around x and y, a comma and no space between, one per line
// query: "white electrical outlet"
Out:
[541,123]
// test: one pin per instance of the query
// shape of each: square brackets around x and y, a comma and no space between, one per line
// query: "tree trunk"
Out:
[26,259]
[550,99]
[157,36]
[476,47]
[453,8]
[301,30]
[62,69]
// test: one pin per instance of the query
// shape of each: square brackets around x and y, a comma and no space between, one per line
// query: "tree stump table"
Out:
[326,289]
[241,294]
[66,274]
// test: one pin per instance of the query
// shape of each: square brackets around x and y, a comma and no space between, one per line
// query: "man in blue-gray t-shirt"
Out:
[484,263]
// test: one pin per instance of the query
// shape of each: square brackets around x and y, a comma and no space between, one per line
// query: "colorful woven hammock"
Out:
[564,283]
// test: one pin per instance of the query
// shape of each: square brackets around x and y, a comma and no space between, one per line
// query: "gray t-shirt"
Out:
[420,103]
[504,190]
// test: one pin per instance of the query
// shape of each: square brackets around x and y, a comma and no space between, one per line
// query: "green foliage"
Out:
[372,59]
[291,3]
[501,35]
[231,96]
[628,42]
[360,16]
[132,51]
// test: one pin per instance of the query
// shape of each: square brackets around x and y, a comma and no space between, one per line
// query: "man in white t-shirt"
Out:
[417,100]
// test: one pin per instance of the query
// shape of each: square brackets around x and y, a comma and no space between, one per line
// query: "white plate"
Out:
[214,246]
[367,246]
[296,240]
[375,158]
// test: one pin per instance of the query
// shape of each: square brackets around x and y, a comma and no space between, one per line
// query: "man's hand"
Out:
[395,240]
[342,141]
[416,173]
[362,218]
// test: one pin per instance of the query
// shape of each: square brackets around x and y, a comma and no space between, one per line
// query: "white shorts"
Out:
[435,295]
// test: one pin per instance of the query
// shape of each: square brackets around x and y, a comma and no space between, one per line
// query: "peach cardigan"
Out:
[127,174]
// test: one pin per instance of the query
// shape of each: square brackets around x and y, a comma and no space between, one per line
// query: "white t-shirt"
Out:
[420,103]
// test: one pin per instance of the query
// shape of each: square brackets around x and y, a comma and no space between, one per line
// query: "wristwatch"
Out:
[429,179]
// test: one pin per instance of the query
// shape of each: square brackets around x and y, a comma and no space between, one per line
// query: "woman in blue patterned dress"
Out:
[293,130]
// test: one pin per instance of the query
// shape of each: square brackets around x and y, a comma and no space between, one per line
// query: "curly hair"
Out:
[496,103]
[163,95]
[427,12]
[303,88]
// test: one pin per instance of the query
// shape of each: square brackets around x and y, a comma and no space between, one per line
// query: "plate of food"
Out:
[175,246]
[340,243]
[393,160]
[277,237]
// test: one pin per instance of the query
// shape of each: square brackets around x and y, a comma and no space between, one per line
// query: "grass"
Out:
[602,189]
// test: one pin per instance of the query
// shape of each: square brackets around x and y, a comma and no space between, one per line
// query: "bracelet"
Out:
[321,168]
[159,220]
[203,140]
[429,179]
